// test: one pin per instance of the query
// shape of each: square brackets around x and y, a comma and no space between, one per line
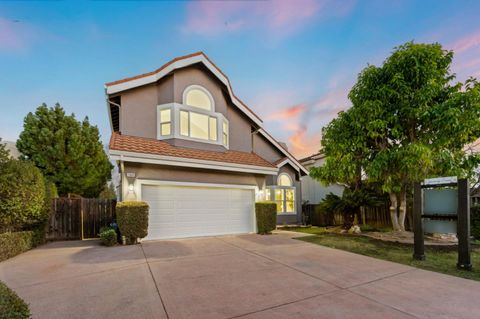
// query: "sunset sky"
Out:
[291,61]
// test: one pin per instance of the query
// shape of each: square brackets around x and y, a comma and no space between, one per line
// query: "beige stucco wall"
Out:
[199,76]
[192,175]
[265,149]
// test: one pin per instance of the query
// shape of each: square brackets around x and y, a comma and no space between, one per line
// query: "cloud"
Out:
[277,17]
[297,122]
[288,113]
[468,42]
[12,35]
[466,62]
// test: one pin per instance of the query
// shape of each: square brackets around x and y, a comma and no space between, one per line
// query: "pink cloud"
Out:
[470,41]
[18,36]
[288,113]
[279,17]
[12,36]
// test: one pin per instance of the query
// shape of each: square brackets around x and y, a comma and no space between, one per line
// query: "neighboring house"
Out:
[195,153]
[312,190]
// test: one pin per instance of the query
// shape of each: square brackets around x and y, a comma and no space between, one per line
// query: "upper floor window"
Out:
[198,96]
[284,180]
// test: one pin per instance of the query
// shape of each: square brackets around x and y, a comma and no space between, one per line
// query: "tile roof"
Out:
[152,146]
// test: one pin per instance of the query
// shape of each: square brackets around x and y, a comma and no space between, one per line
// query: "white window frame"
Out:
[273,188]
[289,177]
[176,108]
[204,90]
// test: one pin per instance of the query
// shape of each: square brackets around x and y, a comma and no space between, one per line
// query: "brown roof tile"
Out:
[152,146]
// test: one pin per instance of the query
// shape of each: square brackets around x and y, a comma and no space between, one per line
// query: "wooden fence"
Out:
[372,216]
[79,218]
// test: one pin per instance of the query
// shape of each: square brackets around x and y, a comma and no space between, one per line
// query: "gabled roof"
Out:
[125,144]
[187,60]
[177,63]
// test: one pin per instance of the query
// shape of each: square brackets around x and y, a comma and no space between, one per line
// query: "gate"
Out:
[79,218]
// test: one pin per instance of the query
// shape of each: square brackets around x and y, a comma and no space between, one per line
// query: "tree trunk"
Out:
[403,209]
[393,211]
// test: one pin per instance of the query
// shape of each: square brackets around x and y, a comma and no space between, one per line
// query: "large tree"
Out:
[415,122]
[68,152]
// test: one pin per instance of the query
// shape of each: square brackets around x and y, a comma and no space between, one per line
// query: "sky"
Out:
[292,61]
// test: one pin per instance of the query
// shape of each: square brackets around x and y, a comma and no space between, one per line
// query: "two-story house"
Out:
[186,145]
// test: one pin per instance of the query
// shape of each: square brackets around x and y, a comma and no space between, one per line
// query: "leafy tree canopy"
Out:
[409,120]
[68,152]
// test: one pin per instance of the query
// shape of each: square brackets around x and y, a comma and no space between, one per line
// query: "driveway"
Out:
[247,276]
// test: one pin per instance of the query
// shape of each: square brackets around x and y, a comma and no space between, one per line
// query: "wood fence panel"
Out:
[79,218]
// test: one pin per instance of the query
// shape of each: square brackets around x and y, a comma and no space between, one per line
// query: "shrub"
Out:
[108,236]
[266,214]
[22,196]
[11,305]
[132,219]
[475,221]
[12,244]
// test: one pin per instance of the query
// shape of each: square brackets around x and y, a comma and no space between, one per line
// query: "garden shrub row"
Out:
[266,214]
[132,220]
[14,243]
[12,306]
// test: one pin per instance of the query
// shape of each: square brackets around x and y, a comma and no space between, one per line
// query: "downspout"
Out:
[122,179]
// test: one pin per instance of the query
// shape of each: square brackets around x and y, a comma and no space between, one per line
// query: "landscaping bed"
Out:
[441,259]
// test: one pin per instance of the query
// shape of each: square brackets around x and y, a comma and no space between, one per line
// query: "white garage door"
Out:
[185,211]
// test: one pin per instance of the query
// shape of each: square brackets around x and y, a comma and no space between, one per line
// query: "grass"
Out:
[439,259]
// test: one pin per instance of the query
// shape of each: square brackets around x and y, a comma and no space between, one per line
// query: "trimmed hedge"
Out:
[132,219]
[475,221]
[12,244]
[266,214]
[11,305]
[22,196]
[108,236]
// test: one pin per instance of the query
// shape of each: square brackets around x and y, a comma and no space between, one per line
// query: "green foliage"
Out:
[68,152]
[416,120]
[349,204]
[108,192]
[11,305]
[409,121]
[266,214]
[108,236]
[475,221]
[132,219]
[12,244]
[4,153]
[22,195]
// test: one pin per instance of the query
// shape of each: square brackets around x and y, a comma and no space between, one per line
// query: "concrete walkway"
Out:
[246,276]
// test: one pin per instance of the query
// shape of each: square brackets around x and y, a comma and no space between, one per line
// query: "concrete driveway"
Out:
[246,276]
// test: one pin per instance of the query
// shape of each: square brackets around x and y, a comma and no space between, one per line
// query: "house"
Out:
[196,153]
[313,191]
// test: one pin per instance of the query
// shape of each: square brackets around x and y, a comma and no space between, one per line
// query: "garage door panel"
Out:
[185,211]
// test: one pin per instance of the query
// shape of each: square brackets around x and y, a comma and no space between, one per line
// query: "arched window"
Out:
[198,96]
[284,180]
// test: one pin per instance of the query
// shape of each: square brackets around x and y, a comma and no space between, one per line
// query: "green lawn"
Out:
[438,259]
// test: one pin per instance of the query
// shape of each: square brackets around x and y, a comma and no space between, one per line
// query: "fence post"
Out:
[463,225]
[419,245]
[81,218]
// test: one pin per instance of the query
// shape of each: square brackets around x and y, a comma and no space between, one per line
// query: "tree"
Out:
[68,152]
[108,192]
[411,122]
[4,153]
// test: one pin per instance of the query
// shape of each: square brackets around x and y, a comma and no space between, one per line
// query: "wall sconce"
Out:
[130,188]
